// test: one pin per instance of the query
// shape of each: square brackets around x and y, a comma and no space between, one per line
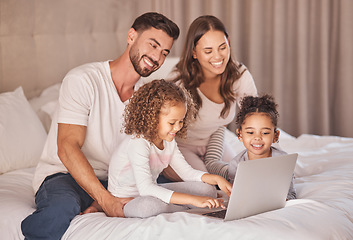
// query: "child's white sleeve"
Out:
[183,168]
[138,156]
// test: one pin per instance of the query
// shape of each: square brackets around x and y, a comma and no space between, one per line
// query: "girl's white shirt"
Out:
[137,163]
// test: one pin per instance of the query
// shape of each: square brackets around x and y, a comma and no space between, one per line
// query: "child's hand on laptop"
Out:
[222,183]
[225,186]
[204,201]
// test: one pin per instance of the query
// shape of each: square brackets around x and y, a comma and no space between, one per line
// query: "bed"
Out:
[41,40]
[323,180]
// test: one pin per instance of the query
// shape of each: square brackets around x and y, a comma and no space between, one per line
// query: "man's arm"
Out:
[70,140]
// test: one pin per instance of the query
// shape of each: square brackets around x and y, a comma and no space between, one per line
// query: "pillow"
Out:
[44,105]
[49,108]
[22,135]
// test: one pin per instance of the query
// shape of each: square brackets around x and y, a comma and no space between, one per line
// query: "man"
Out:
[86,128]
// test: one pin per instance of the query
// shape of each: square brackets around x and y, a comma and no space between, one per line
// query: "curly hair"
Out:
[262,104]
[189,70]
[141,116]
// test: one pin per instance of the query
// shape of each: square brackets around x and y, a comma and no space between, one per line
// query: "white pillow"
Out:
[42,104]
[22,135]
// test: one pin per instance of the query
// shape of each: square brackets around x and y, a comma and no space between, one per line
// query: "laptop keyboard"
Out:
[217,214]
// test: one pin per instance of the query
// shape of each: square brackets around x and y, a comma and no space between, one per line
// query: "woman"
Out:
[216,83]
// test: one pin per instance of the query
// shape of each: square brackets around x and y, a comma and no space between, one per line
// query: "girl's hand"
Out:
[202,202]
[225,186]
[222,183]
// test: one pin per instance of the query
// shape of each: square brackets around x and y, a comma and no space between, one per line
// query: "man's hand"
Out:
[113,209]
[113,206]
[70,140]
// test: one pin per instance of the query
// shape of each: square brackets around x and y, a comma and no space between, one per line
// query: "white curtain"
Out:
[298,50]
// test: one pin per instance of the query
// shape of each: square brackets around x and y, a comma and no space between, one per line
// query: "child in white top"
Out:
[157,112]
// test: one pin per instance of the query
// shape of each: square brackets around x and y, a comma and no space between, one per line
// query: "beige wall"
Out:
[298,50]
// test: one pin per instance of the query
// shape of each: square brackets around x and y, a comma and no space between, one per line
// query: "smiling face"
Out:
[148,49]
[213,53]
[171,119]
[257,134]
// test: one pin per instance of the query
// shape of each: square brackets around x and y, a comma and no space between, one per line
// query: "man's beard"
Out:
[135,59]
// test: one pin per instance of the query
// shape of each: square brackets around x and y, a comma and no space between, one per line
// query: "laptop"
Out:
[259,186]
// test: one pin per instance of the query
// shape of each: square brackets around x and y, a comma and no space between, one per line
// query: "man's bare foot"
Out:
[95,207]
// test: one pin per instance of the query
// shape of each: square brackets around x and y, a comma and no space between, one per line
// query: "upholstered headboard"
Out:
[41,40]
[308,72]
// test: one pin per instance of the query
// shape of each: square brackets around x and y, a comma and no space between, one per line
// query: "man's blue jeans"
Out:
[59,199]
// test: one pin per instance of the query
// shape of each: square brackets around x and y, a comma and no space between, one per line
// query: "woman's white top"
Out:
[209,119]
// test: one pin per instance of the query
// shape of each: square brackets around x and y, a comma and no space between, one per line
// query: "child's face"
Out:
[170,122]
[257,134]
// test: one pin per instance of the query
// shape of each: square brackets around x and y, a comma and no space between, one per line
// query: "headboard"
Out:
[40,41]
[307,71]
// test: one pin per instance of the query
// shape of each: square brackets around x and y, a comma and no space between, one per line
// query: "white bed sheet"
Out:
[324,210]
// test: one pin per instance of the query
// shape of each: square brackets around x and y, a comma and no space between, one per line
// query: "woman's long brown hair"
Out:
[189,69]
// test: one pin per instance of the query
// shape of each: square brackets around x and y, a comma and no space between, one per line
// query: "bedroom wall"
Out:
[40,40]
[300,51]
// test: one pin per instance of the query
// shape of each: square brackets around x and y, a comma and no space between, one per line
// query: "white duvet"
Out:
[323,210]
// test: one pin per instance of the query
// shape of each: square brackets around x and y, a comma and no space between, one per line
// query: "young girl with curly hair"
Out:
[157,112]
[257,130]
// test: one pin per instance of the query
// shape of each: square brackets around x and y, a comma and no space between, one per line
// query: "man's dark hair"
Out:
[157,21]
